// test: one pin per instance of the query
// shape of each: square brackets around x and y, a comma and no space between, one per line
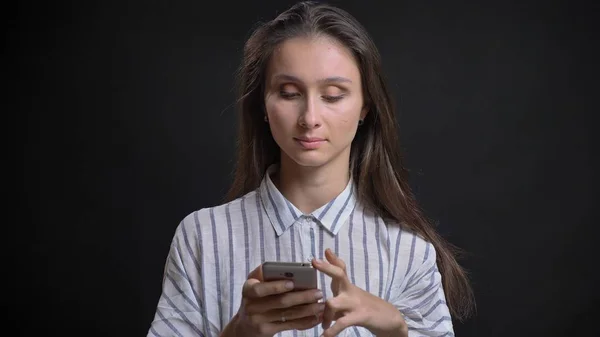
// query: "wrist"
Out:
[401,331]
[231,328]
[397,333]
[397,327]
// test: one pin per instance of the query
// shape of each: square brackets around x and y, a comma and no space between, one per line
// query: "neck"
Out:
[309,188]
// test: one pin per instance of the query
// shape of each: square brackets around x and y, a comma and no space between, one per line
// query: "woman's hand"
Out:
[352,306]
[270,307]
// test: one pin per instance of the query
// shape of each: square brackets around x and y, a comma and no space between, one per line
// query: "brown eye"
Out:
[288,94]
[288,91]
[332,99]
[333,94]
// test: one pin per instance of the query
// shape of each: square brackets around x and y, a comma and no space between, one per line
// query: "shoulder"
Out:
[410,246]
[195,224]
[421,250]
[403,241]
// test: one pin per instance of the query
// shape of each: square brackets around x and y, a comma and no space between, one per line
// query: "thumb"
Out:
[254,277]
[256,274]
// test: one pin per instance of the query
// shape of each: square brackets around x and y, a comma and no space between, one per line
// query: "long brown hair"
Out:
[375,158]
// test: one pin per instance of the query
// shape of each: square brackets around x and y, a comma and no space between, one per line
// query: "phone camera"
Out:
[288,274]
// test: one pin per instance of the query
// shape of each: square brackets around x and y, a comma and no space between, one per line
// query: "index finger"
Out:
[330,270]
[253,288]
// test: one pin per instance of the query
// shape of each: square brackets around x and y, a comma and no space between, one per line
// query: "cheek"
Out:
[278,114]
[281,118]
[346,130]
[345,118]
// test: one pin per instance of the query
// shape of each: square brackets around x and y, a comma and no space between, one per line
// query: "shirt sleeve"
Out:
[422,301]
[180,311]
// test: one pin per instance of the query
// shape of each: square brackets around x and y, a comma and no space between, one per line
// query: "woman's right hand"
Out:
[270,307]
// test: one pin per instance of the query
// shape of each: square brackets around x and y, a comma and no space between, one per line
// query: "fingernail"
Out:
[319,261]
[289,285]
[319,312]
[318,295]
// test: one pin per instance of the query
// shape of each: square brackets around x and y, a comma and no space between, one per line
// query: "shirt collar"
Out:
[283,214]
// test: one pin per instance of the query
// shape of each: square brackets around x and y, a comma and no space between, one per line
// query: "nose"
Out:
[310,117]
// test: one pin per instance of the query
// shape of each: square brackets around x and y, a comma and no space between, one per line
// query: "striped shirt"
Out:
[214,249]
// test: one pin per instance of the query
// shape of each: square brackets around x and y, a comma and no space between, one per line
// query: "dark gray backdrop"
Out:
[130,127]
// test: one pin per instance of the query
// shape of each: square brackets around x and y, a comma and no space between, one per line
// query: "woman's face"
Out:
[313,100]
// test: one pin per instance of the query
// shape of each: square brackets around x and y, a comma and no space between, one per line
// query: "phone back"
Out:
[302,274]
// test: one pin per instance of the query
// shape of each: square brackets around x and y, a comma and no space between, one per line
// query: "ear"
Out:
[364,111]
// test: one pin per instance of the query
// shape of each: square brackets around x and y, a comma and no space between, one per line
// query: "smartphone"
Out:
[302,274]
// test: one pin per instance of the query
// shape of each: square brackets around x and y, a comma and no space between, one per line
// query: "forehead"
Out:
[313,58]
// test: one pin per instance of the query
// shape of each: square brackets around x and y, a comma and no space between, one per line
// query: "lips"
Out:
[310,139]
[310,143]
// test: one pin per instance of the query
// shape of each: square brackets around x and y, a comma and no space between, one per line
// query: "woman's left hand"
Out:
[352,306]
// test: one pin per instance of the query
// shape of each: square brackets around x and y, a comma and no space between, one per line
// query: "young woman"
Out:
[319,179]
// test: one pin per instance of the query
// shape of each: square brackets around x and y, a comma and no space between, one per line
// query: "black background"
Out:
[130,126]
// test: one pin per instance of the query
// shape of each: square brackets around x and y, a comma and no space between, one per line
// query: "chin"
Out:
[309,162]
[309,159]
[312,158]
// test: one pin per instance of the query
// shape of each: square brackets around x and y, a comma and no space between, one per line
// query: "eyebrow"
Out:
[333,79]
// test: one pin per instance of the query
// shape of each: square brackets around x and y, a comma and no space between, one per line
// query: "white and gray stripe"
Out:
[214,249]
